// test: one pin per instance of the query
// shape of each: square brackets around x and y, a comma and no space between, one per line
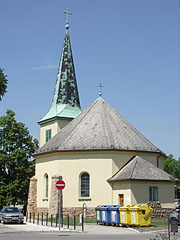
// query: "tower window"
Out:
[85,186]
[153,193]
[48,135]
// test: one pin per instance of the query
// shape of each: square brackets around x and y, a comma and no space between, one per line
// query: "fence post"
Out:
[68,221]
[26,216]
[82,220]
[42,218]
[51,220]
[56,219]
[74,222]
[62,220]
[38,219]
[33,217]
[30,218]
[46,219]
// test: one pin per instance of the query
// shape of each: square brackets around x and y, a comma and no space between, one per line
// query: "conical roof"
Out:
[99,127]
[65,102]
[140,169]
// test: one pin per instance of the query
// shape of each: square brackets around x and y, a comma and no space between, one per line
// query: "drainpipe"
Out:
[158,159]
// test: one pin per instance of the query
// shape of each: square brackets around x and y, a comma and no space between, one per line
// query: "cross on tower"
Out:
[100,88]
[67,22]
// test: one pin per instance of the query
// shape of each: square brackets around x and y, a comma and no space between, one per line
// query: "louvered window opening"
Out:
[85,185]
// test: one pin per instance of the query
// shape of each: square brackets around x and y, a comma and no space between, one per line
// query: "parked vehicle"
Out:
[177,203]
[175,215]
[11,214]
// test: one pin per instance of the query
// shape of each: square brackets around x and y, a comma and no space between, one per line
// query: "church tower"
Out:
[65,103]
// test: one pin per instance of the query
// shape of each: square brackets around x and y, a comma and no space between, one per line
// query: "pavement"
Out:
[88,228]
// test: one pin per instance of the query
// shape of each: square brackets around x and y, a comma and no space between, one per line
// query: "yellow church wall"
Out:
[124,189]
[98,166]
[140,193]
[55,127]
[121,158]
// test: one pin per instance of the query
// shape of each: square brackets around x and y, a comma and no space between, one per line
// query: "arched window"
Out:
[85,186]
[46,183]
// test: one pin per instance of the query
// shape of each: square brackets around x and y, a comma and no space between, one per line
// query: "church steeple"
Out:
[65,104]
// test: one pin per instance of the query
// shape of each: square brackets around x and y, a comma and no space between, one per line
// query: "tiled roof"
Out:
[65,102]
[140,169]
[99,127]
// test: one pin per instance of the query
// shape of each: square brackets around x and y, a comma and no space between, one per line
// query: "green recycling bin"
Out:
[98,214]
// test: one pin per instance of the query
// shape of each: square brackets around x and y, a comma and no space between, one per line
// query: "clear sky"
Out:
[130,46]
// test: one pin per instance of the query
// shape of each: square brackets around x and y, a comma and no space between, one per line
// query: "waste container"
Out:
[115,214]
[105,214]
[98,214]
[140,215]
[125,214]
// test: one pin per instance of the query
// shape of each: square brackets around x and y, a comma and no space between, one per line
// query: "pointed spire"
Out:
[66,97]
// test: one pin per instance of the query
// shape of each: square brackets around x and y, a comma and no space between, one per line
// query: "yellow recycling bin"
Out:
[125,214]
[140,215]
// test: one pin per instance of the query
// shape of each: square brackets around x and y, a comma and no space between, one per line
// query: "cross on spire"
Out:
[100,88]
[67,18]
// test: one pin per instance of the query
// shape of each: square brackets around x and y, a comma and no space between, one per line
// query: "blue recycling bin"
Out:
[105,214]
[115,214]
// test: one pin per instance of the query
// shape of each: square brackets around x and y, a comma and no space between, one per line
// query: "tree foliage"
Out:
[3,84]
[16,161]
[172,166]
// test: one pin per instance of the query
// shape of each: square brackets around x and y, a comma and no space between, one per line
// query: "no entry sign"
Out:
[60,184]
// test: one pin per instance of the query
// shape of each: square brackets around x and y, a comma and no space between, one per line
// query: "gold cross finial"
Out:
[100,88]
[67,19]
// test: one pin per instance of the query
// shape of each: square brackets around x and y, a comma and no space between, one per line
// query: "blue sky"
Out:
[130,46]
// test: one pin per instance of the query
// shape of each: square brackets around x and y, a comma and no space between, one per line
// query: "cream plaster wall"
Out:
[99,167]
[55,126]
[119,159]
[140,193]
[121,189]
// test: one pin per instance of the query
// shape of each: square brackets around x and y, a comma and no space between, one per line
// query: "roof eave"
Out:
[93,149]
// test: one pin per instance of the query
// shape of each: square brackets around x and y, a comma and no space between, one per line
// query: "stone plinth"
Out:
[54,197]
[32,195]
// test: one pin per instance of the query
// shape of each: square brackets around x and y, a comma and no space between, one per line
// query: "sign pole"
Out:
[60,209]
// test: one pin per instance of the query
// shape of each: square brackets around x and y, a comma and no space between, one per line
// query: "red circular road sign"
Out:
[60,184]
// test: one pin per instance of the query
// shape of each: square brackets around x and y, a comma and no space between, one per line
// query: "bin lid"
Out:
[125,207]
[105,207]
[115,207]
[98,207]
[140,207]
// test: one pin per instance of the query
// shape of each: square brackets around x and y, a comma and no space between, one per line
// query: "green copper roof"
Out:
[65,102]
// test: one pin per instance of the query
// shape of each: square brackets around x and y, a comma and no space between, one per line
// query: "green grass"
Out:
[159,222]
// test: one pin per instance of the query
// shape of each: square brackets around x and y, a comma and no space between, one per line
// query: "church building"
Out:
[100,156]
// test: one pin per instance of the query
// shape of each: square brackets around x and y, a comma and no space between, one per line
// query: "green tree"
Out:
[3,84]
[172,166]
[16,161]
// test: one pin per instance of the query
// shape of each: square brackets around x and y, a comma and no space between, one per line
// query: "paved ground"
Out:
[90,230]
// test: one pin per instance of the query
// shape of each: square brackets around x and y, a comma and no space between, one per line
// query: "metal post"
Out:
[62,220]
[82,220]
[30,218]
[46,219]
[26,216]
[56,219]
[51,220]
[60,209]
[74,222]
[68,221]
[168,228]
[33,218]
[42,218]
[38,219]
